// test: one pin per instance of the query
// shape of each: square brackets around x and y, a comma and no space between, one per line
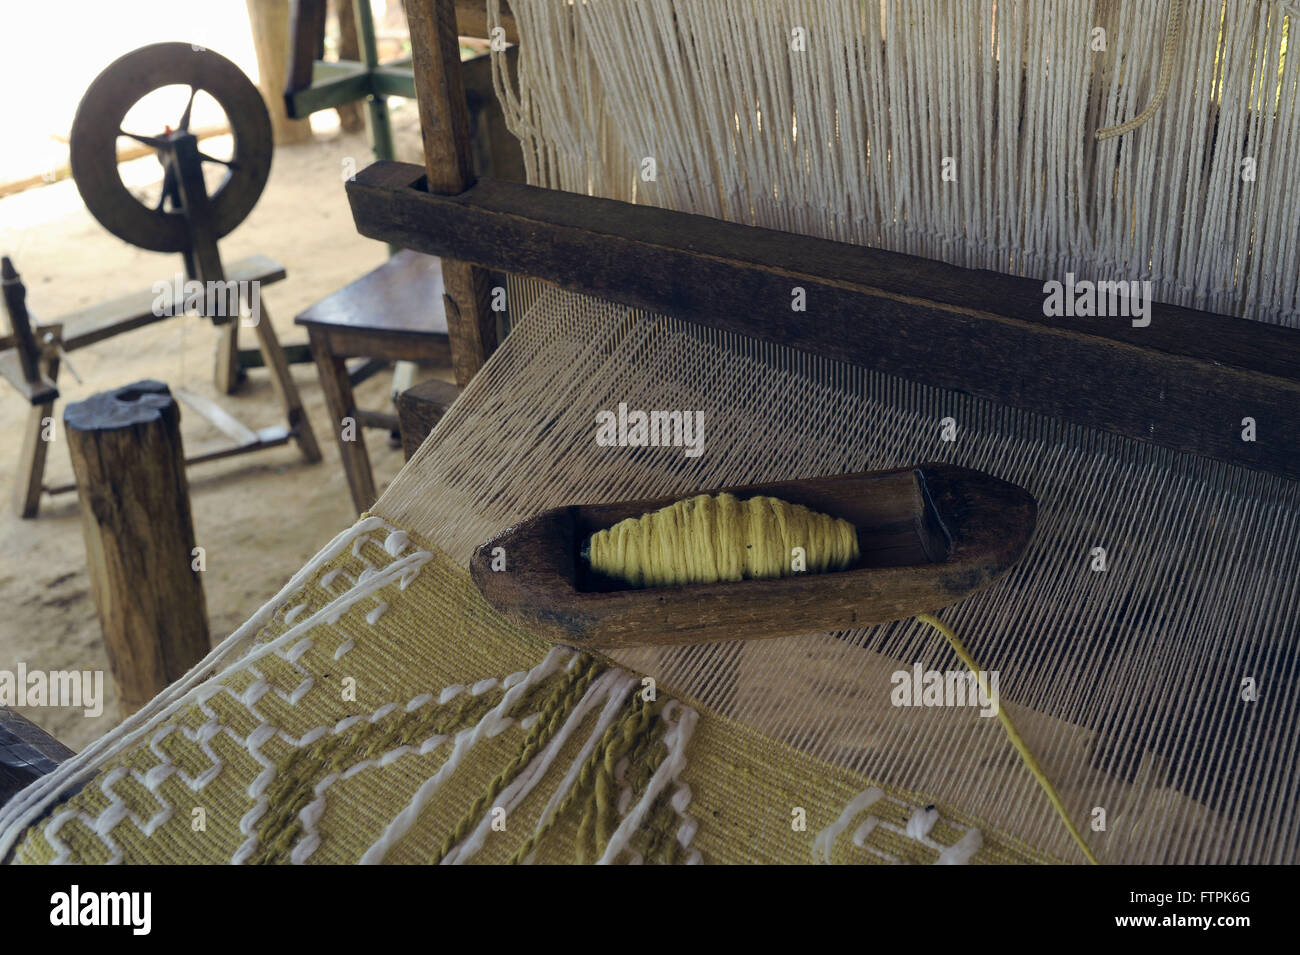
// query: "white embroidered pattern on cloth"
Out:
[192,718]
[919,825]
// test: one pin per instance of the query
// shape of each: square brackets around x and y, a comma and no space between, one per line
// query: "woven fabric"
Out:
[384,691]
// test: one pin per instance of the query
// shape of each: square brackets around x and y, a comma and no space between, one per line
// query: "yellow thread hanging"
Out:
[1021,747]
[706,538]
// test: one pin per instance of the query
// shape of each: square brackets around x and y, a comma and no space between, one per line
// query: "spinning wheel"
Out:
[99,123]
[190,213]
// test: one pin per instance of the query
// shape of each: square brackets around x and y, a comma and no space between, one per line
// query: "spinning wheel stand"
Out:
[188,219]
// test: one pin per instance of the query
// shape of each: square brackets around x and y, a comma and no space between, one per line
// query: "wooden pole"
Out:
[444,123]
[350,118]
[269,20]
[135,507]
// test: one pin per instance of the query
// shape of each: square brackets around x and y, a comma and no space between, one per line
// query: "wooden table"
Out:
[394,313]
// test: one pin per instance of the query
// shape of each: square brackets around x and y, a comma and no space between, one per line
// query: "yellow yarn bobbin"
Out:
[709,538]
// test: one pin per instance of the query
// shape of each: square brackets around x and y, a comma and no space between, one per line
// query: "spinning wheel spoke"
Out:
[225,162]
[154,141]
[185,116]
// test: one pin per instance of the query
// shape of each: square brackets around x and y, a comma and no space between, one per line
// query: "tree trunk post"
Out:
[126,452]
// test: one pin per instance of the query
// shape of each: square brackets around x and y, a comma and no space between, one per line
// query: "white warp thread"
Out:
[832,132]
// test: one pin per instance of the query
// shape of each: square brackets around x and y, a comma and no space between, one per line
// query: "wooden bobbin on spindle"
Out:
[135,505]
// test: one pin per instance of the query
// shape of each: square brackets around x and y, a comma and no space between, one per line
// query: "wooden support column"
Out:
[135,509]
[269,20]
[350,118]
[444,123]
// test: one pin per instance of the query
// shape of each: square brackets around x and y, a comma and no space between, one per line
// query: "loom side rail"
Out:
[1186,381]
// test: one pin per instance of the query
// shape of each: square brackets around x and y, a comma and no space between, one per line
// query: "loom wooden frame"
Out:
[1186,381]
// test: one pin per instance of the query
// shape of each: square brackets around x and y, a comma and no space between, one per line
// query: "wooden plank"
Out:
[350,118]
[471,20]
[334,383]
[440,90]
[38,392]
[285,388]
[271,437]
[90,325]
[1185,382]
[449,166]
[293,354]
[365,369]
[383,420]
[388,80]
[15,304]
[272,42]
[335,88]
[306,40]
[218,417]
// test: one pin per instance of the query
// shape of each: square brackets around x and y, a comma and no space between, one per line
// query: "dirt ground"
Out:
[259,516]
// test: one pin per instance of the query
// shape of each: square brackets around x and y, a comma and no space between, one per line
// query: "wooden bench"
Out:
[45,344]
[90,325]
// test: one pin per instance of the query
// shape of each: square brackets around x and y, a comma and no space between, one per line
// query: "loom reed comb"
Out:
[928,537]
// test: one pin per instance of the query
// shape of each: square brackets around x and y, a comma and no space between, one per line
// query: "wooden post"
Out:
[444,123]
[28,483]
[269,20]
[33,359]
[350,118]
[420,408]
[135,508]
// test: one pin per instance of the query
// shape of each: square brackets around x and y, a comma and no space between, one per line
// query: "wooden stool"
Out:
[393,313]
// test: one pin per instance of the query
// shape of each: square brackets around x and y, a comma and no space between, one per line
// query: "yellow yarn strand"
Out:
[707,538]
[1012,734]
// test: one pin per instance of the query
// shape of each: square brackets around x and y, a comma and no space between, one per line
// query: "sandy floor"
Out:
[259,516]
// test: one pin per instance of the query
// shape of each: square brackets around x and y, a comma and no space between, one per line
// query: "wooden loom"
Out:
[1186,382]
[978,332]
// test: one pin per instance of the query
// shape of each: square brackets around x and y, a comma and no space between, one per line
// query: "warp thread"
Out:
[1173,36]
[710,538]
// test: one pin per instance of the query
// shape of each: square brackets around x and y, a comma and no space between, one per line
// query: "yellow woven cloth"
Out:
[387,713]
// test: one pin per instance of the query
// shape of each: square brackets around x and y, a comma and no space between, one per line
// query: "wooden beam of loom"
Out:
[1185,382]
[449,163]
